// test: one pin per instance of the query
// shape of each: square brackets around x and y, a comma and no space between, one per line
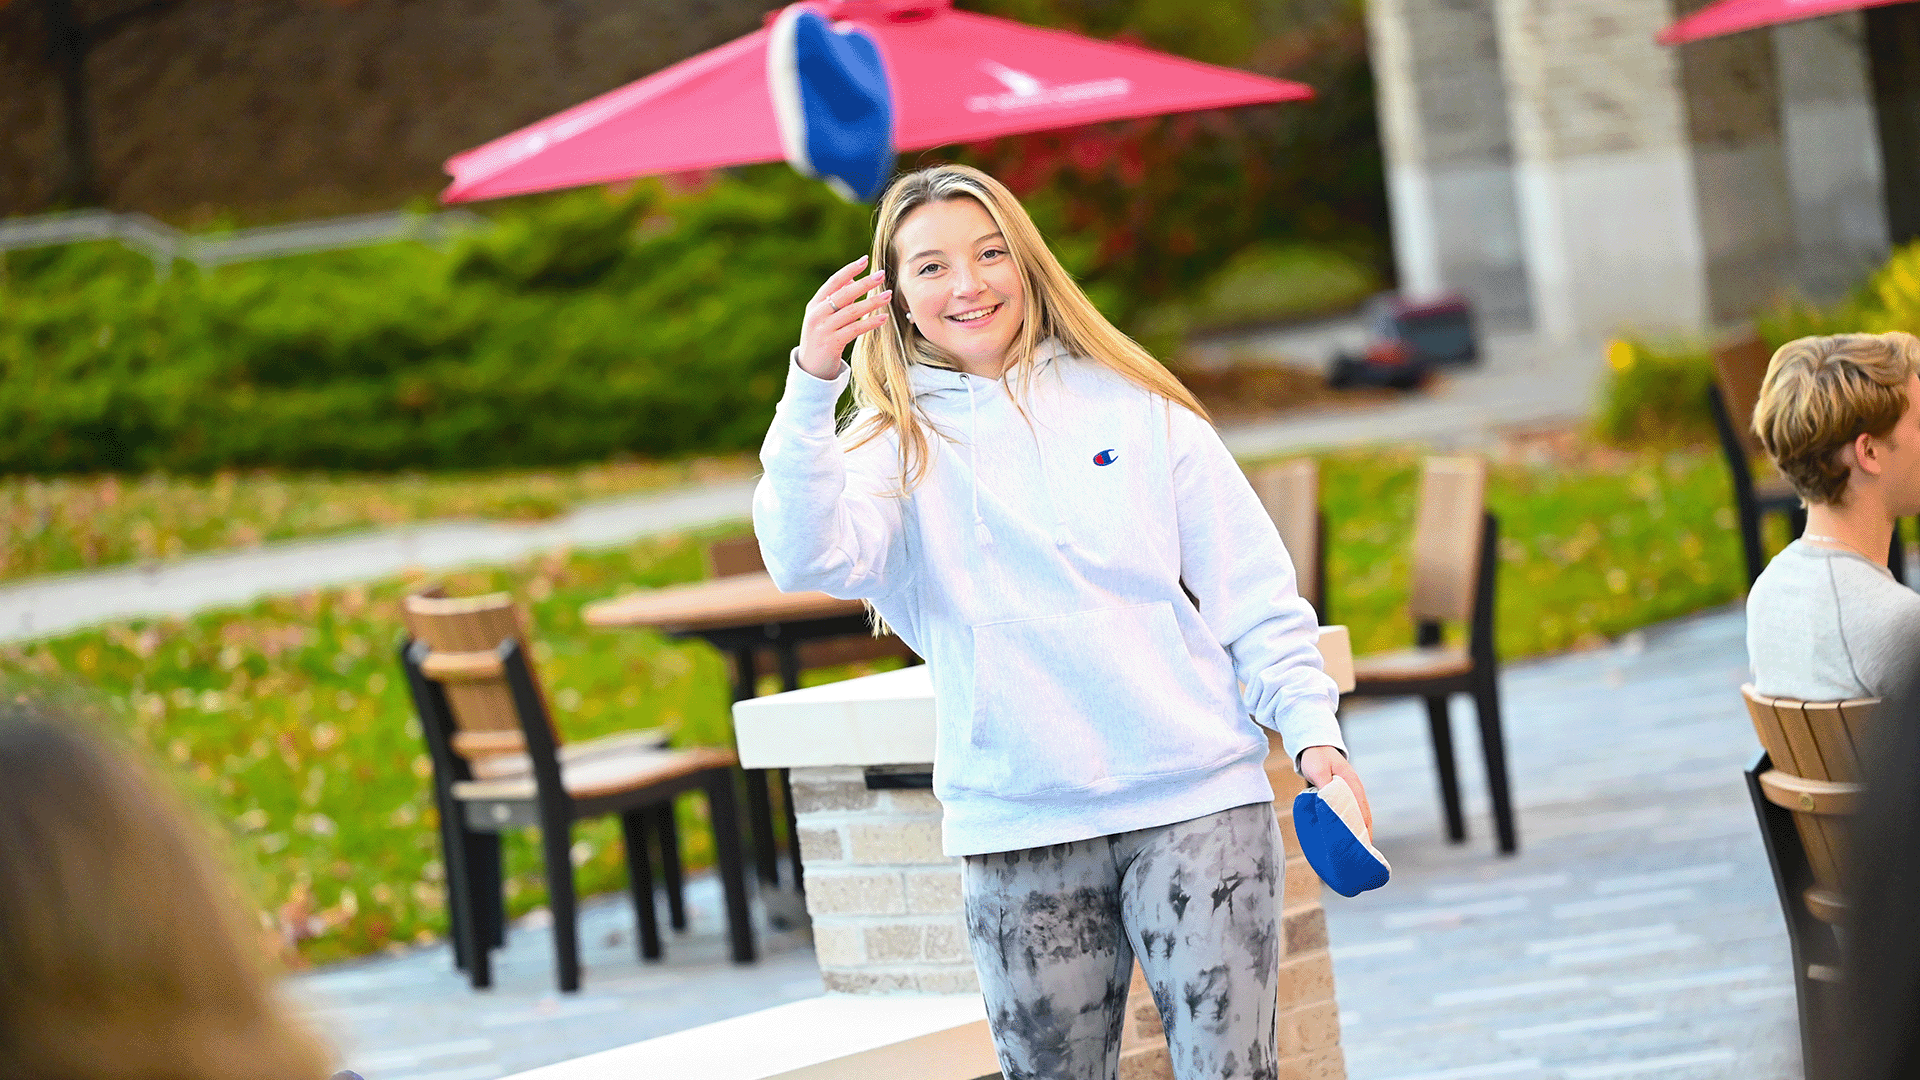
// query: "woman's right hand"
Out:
[837,314]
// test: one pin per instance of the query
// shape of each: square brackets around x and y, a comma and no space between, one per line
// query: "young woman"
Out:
[1044,513]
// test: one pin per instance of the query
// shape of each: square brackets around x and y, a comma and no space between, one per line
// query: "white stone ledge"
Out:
[886,719]
[832,1037]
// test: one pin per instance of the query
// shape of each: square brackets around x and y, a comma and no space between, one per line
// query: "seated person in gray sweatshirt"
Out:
[1840,417]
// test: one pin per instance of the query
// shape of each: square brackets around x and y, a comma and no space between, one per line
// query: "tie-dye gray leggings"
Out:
[1055,931]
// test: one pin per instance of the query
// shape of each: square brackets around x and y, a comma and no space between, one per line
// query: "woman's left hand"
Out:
[1320,764]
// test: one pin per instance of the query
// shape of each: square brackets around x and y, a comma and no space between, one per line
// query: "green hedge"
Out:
[577,328]
[1657,392]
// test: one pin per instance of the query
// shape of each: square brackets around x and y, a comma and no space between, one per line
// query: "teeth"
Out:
[972,315]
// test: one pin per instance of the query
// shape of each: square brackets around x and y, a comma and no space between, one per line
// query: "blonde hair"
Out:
[1055,308]
[123,953]
[1820,394]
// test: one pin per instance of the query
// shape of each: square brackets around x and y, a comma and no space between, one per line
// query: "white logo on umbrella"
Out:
[1025,91]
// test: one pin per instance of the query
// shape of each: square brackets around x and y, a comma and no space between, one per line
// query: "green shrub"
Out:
[1655,394]
[580,327]
[1266,283]
[1658,392]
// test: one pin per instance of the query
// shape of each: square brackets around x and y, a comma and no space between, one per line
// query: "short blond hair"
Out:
[1822,393]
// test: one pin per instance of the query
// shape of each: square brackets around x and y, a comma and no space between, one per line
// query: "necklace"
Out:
[1835,540]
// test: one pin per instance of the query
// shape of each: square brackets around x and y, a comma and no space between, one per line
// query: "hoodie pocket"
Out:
[1093,699]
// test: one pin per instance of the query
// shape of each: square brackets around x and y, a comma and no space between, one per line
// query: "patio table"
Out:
[742,614]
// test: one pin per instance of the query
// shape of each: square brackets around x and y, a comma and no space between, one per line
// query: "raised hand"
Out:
[837,314]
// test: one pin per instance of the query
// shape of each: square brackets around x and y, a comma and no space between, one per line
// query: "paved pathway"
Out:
[41,607]
[1635,935]
[1521,383]
[413,1017]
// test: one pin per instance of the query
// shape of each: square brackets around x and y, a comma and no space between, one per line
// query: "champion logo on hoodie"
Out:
[1106,457]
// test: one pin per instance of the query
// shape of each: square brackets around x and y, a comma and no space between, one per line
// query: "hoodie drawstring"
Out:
[981,534]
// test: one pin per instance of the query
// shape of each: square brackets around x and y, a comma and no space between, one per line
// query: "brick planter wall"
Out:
[887,917]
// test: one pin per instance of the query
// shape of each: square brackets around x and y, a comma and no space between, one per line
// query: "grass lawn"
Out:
[77,523]
[289,723]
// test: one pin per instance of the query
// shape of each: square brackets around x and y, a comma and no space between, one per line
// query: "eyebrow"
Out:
[934,251]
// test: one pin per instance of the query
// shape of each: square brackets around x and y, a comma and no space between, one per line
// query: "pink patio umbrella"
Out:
[956,77]
[1733,16]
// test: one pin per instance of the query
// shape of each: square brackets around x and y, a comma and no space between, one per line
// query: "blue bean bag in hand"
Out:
[832,101]
[1333,837]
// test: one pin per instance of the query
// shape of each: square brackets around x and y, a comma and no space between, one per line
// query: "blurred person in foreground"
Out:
[123,953]
[1840,417]
[1878,1036]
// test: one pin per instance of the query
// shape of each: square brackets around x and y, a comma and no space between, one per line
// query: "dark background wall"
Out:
[261,110]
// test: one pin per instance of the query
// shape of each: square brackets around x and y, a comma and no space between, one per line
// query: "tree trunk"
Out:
[67,42]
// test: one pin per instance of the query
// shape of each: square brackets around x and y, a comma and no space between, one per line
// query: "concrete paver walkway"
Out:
[413,1017]
[1636,934]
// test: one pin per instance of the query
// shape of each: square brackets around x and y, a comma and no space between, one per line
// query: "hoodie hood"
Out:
[929,381]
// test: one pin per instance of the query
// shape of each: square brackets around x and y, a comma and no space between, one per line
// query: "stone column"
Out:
[1443,121]
[1603,167]
[1832,151]
[1731,90]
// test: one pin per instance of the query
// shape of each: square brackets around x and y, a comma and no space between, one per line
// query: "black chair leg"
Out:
[766,853]
[1442,730]
[723,809]
[633,830]
[793,833]
[488,890]
[464,911]
[556,844]
[1493,745]
[668,831]
[1787,858]
[459,887]
[1750,544]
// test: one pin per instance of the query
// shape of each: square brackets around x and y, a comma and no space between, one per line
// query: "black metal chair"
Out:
[499,763]
[492,742]
[1814,945]
[1456,562]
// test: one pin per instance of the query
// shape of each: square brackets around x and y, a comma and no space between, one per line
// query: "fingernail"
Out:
[884,293]
[862,259]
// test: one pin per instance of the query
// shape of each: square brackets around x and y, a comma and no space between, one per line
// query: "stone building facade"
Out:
[1551,160]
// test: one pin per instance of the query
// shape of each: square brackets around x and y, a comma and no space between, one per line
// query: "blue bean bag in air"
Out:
[832,101]
[1333,837]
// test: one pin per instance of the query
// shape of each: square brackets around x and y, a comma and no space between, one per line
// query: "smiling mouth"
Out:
[975,315]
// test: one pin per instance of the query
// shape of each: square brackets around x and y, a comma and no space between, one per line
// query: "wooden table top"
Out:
[718,604]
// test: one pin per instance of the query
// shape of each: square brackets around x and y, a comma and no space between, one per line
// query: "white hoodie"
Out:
[1038,568]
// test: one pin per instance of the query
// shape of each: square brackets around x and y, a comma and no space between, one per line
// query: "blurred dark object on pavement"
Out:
[1407,340]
